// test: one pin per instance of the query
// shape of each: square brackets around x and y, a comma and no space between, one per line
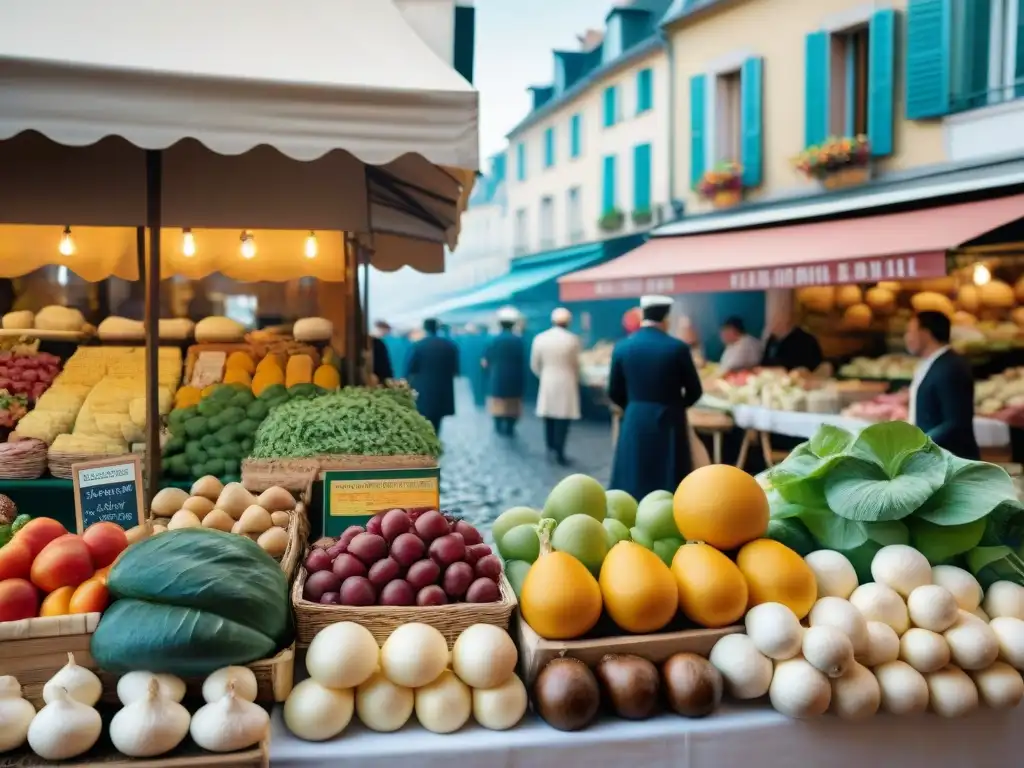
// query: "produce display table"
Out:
[735,736]
[990,433]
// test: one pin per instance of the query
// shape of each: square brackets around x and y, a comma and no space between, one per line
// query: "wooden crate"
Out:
[274,679]
[33,650]
[295,474]
[382,620]
[535,652]
[187,755]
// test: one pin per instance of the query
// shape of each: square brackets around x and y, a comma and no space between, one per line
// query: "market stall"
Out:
[338,169]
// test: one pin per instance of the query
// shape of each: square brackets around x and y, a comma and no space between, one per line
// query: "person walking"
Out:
[505,364]
[555,360]
[653,380]
[942,390]
[432,369]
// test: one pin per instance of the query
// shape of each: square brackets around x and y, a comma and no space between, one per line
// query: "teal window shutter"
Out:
[751,121]
[642,177]
[575,138]
[549,148]
[928,60]
[644,91]
[1018,70]
[521,161]
[610,106]
[697,128]
[816,88]
[608,185]
[881,81]
[970,34]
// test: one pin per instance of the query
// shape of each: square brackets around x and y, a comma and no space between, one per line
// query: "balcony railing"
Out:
[962,102]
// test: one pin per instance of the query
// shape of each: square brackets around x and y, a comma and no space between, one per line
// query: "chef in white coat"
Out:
[555,360]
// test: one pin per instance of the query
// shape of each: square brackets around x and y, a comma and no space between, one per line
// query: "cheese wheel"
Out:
[211,329]
[313,329]
[119,328]
[19,320]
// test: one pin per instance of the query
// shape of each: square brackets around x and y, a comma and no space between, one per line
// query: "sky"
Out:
[514,40]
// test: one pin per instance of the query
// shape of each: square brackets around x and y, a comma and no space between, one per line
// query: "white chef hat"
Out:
[508,315]
[646,302]
[561,316]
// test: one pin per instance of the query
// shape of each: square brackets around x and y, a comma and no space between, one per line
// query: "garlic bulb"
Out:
[64,728]
[15,714]
[229,724]
[135,686]
[215,687]
[149,726]
[78,682]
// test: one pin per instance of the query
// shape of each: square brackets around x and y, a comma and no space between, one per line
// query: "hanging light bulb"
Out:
[312,246]
[982,275]
[67,243]
[248,247]
[188,243]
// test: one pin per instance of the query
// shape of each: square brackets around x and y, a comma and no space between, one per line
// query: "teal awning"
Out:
[526,275]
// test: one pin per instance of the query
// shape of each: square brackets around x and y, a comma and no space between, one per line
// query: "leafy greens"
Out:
[891,484]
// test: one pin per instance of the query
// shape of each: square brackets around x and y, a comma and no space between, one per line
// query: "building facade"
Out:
[484,248]
[926,81]
[590,162]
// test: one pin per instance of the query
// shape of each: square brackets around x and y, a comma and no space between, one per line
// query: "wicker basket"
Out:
[294,474]
[23,459]
[274,679]
[33,650]
[60,463]
[382,620]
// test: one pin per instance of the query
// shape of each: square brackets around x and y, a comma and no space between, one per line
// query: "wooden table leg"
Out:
[716,446]
[766,449]
[748,438]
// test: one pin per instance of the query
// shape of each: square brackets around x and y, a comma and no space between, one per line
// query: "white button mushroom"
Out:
[828,650]
[833,572]
[1004,598]
[961,584]
[746,671]
[799,690]
[924,650]
[883,645]
[932,607]
[877,602]
[904,689]
[951,692]
[1010,636]
[856,695]
[844,616]
[901,567]
[972,644]
[775,630]
[1000,686]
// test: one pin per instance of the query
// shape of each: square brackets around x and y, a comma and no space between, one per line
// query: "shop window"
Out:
[547,222]
[848,91]
[574,215]
[728,117]
[522,235]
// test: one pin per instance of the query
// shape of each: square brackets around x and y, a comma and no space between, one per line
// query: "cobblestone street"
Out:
[483,474]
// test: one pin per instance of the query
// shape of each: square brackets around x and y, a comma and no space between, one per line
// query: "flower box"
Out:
[611,221]
[837,162]
[722,185]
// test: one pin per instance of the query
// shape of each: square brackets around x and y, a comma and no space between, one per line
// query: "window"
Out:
[727,116]
[609,200]
[987,62]
[574,215]
[521,244]
[611,106]
[547,222]
[549,148]
[575,135]
[644,91]
[521,161]
[848,86]
[642,178]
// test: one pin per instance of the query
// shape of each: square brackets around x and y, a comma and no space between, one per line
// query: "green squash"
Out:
[199,598]
[137,635]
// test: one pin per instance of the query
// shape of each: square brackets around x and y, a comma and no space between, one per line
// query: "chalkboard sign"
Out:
[109,490]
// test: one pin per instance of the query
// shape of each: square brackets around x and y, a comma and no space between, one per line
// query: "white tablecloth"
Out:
[734,737]
[989,433]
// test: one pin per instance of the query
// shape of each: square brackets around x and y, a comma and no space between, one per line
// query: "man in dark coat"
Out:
[432,369]
[942,391]
[505,364]
[789,346]
[653,380]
